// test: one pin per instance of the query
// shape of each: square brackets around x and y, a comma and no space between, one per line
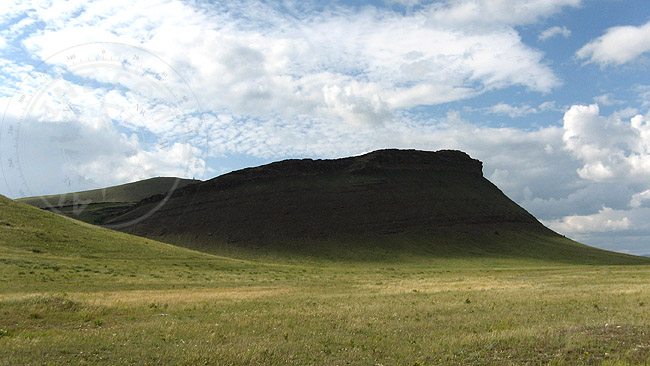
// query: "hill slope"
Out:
[29,229]
[94,206]
[44,252]
[378,206]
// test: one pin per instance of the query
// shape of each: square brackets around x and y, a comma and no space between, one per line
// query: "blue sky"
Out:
[552,95]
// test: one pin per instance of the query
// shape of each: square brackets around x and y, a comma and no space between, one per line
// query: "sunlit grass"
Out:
[365,315]
[87,296]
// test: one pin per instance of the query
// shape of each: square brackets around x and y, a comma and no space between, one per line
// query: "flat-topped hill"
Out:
[378,205]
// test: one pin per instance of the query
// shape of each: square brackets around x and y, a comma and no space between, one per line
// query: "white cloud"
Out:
[81,135]
[355,66]
[69,156]
[638,198]
[606,220]
[548,106]
[510,12]
[624,230]
[322,84]
[614,167]
[607,99]
[512,111]
[644,94]
[625,113]
[407,3]
[519,111]
[554,31]
[610,149]
[127,162]
[617,46]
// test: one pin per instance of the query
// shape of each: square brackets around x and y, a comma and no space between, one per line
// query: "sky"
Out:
[553,96]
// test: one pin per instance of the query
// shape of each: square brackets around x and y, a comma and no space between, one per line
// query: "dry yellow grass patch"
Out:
[180,296]
[432,285]
[173,296]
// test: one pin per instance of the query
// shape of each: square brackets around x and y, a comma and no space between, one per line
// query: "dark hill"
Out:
[379,205]
[383,192]
[95,206]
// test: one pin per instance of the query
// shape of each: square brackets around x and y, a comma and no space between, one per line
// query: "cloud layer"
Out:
[354,66]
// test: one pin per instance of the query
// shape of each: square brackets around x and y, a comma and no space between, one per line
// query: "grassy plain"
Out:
[75,294]
[169,312]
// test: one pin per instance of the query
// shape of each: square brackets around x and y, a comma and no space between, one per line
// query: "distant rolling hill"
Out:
[26,229]
[384,205]
[42,253]
[95,206]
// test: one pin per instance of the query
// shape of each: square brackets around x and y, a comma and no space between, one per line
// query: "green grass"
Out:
[469,246]
[365,315]
[74,294]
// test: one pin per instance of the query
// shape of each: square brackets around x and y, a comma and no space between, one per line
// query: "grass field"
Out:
[169,312]
[75,294]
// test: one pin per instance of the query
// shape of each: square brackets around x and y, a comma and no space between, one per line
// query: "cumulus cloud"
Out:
[554,31]
[610,149]
[610,189]
[619,45]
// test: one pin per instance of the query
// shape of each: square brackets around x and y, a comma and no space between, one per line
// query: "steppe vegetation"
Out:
[71,293]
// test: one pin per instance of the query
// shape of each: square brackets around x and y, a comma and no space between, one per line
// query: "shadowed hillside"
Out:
[94,206]
[378,206]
